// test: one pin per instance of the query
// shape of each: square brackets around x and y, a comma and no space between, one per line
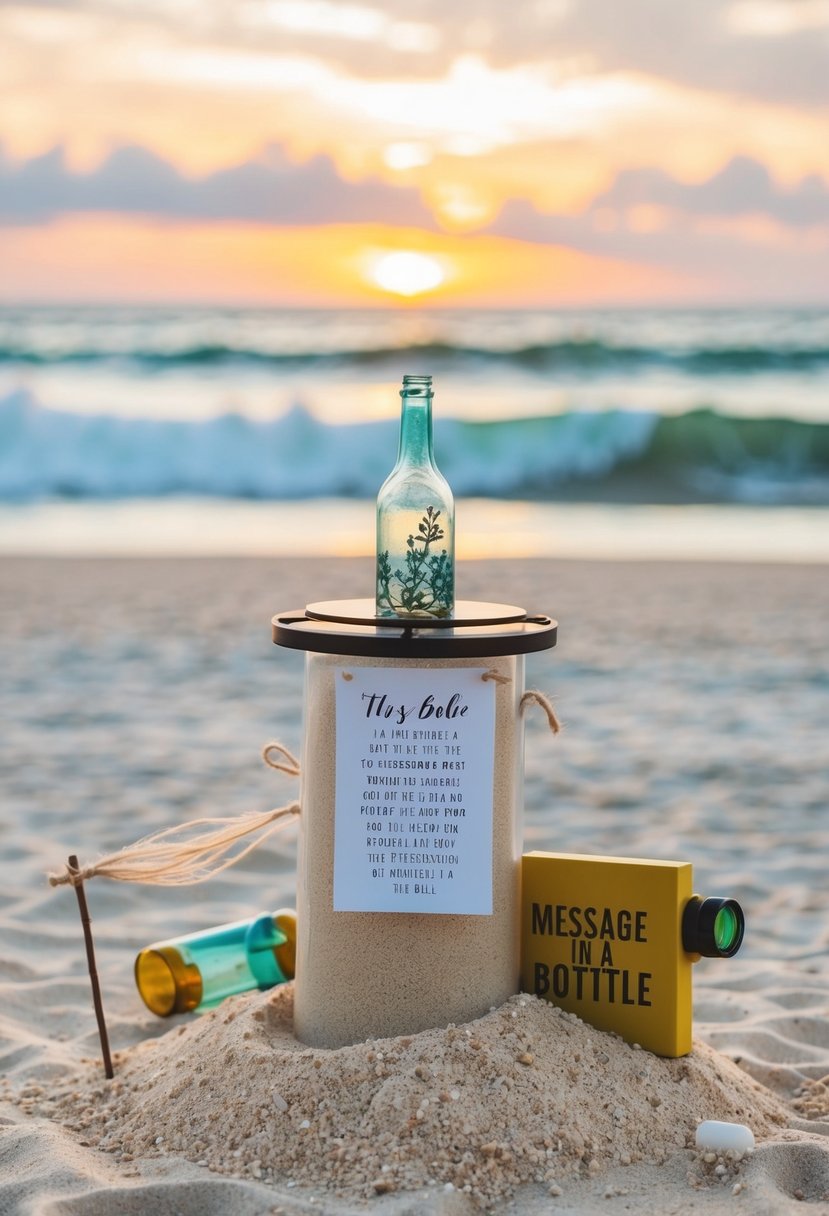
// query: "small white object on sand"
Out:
[720,1137]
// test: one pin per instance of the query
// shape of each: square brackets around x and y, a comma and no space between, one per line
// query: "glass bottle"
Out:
[415,519]
[198,970]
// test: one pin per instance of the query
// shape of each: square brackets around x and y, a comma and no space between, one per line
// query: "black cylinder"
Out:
[713,927]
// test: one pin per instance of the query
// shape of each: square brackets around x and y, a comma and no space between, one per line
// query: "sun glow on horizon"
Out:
[313,266]
[405,273]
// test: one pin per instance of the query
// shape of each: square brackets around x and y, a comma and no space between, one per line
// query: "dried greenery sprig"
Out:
[425,587]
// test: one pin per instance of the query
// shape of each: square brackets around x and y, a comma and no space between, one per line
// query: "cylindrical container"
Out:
[408,888]
[198,970]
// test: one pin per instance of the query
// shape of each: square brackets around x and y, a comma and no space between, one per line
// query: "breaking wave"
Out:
[608,455]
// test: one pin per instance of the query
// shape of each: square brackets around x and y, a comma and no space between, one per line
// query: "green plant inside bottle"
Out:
[415,519]
[426,586]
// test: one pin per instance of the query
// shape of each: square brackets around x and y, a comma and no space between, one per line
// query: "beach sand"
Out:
[137,694]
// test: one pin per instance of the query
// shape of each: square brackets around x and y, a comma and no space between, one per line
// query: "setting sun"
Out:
[407,273]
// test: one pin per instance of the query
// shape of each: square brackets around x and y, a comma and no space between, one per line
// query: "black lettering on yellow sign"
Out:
[563,920]
[592,984]
[581,981]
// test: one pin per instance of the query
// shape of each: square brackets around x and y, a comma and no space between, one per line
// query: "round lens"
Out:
[712,927]
[726,927]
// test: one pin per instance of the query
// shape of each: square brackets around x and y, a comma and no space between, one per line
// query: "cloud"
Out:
[722,46]
[693,44]
[703,230]
[742,187]
[268,189]
[700,45]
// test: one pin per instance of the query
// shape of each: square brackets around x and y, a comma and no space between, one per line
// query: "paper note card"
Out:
[413,826]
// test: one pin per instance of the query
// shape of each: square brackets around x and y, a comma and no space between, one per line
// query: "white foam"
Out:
[46,452]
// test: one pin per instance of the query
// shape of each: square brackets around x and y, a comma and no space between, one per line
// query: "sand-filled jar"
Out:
[408,885]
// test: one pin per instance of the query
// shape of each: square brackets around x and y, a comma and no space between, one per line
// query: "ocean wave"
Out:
[608,455]
[589,355]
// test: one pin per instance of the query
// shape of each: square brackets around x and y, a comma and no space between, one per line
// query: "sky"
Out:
[492,154]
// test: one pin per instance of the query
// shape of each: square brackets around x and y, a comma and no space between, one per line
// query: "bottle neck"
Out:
[416,429]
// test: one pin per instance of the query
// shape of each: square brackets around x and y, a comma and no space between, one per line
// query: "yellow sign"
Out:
[602,938]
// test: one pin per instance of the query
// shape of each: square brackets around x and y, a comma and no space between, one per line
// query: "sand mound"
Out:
[526,1093]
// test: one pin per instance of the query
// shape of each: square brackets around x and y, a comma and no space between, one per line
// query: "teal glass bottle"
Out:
[198,970]
[415,519]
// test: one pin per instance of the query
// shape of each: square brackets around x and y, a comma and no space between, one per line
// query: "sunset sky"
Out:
[536,152]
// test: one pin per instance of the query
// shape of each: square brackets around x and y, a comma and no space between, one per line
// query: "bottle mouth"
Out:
[416,386]
[166,983]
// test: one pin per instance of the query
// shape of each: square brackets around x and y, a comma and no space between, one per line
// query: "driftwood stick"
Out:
[93,973]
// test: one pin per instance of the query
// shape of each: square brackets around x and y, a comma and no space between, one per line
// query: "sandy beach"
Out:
[137,694]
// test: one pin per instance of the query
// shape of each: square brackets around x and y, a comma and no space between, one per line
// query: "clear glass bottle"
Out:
[415,519]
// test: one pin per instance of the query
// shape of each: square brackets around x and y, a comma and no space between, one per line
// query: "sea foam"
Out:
[627,454]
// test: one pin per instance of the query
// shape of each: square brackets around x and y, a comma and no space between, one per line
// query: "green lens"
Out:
[712,927]
[726,928]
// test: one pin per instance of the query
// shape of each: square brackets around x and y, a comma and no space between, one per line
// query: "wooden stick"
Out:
[93,974]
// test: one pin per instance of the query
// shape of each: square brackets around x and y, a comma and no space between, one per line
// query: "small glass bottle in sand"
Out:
[415,519]
[196,971]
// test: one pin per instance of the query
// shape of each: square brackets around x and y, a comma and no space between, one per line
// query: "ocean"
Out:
[597,433]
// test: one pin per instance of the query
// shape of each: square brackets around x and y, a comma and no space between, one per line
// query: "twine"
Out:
[531,697]
[534,697]
[177,857]
[292,767]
